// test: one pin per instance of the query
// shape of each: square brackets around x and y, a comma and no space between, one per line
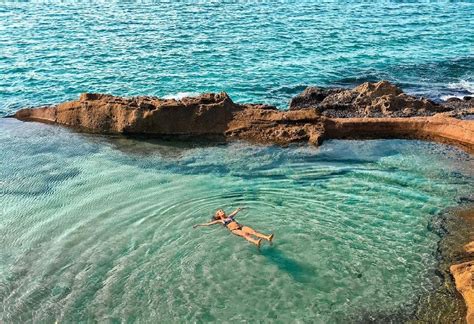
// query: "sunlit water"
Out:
[257,52]
[100,228]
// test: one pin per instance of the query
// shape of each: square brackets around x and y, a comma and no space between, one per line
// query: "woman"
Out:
[236,228]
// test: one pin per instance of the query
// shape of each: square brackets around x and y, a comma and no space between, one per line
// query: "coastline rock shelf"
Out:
[463,274]
[371,110]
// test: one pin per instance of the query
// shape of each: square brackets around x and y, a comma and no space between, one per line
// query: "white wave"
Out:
[462,85]
[446,97]
[181,95]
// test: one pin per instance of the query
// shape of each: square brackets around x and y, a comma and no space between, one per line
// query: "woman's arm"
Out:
[208,224]
[235,212]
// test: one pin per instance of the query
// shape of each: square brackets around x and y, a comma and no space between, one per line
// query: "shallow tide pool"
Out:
[100,228]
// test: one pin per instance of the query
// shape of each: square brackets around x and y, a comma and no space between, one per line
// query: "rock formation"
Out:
[206,114]
[381,99]
[463,270]
[460,107]
[463,277]
[314,115]
[439,128]
[469,247]
[275,126]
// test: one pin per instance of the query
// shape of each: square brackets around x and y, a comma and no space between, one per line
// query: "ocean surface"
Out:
[265,52]
[99,228]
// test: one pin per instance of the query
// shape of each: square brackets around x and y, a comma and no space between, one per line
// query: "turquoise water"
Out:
[100,228]
[265,52]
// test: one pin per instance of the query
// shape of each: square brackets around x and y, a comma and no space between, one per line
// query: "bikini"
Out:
[229,220]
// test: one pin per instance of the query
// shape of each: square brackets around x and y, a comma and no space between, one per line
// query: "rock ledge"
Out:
[371,110]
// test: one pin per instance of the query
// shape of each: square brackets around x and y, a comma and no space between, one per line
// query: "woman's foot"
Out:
[259,242]
[270,237]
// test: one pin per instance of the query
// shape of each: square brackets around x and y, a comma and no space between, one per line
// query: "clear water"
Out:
[265,52]
[100,228]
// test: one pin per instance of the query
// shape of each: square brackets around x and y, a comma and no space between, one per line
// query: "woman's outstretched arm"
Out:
[208,224]
[235,212]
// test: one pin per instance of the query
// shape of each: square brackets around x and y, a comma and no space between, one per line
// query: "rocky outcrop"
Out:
[274,126]
[206,114]
[463,270]
[462,108]
[314,115]
[439,128]
[469,247]
[463,274]
[381,99]
[311,97]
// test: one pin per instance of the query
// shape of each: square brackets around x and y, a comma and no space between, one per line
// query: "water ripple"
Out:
[100,228]
[257,53]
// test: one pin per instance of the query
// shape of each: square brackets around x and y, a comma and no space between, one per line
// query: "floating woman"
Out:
[232,225]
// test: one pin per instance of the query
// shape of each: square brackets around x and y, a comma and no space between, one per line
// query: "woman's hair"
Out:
[216,217]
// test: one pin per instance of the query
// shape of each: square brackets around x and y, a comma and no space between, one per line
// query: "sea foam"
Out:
[181,95]
[465,85]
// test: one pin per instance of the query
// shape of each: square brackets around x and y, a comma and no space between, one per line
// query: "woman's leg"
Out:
[247,237]
[251,231]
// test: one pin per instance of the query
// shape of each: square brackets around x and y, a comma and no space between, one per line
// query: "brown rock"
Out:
[459,107]
[381,99]
[374,90]
[217,114]
[437,128]
[469,247]
[401,104]
[341,100]
[311,97]
[275,126]
[206,114]
[463,276]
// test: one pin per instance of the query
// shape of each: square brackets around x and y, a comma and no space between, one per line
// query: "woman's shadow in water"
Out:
[296,270]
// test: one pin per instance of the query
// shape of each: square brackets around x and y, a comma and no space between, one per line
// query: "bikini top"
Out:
[228,220]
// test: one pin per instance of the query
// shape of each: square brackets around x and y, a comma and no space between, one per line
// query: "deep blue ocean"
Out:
[99,228]
[264,52]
